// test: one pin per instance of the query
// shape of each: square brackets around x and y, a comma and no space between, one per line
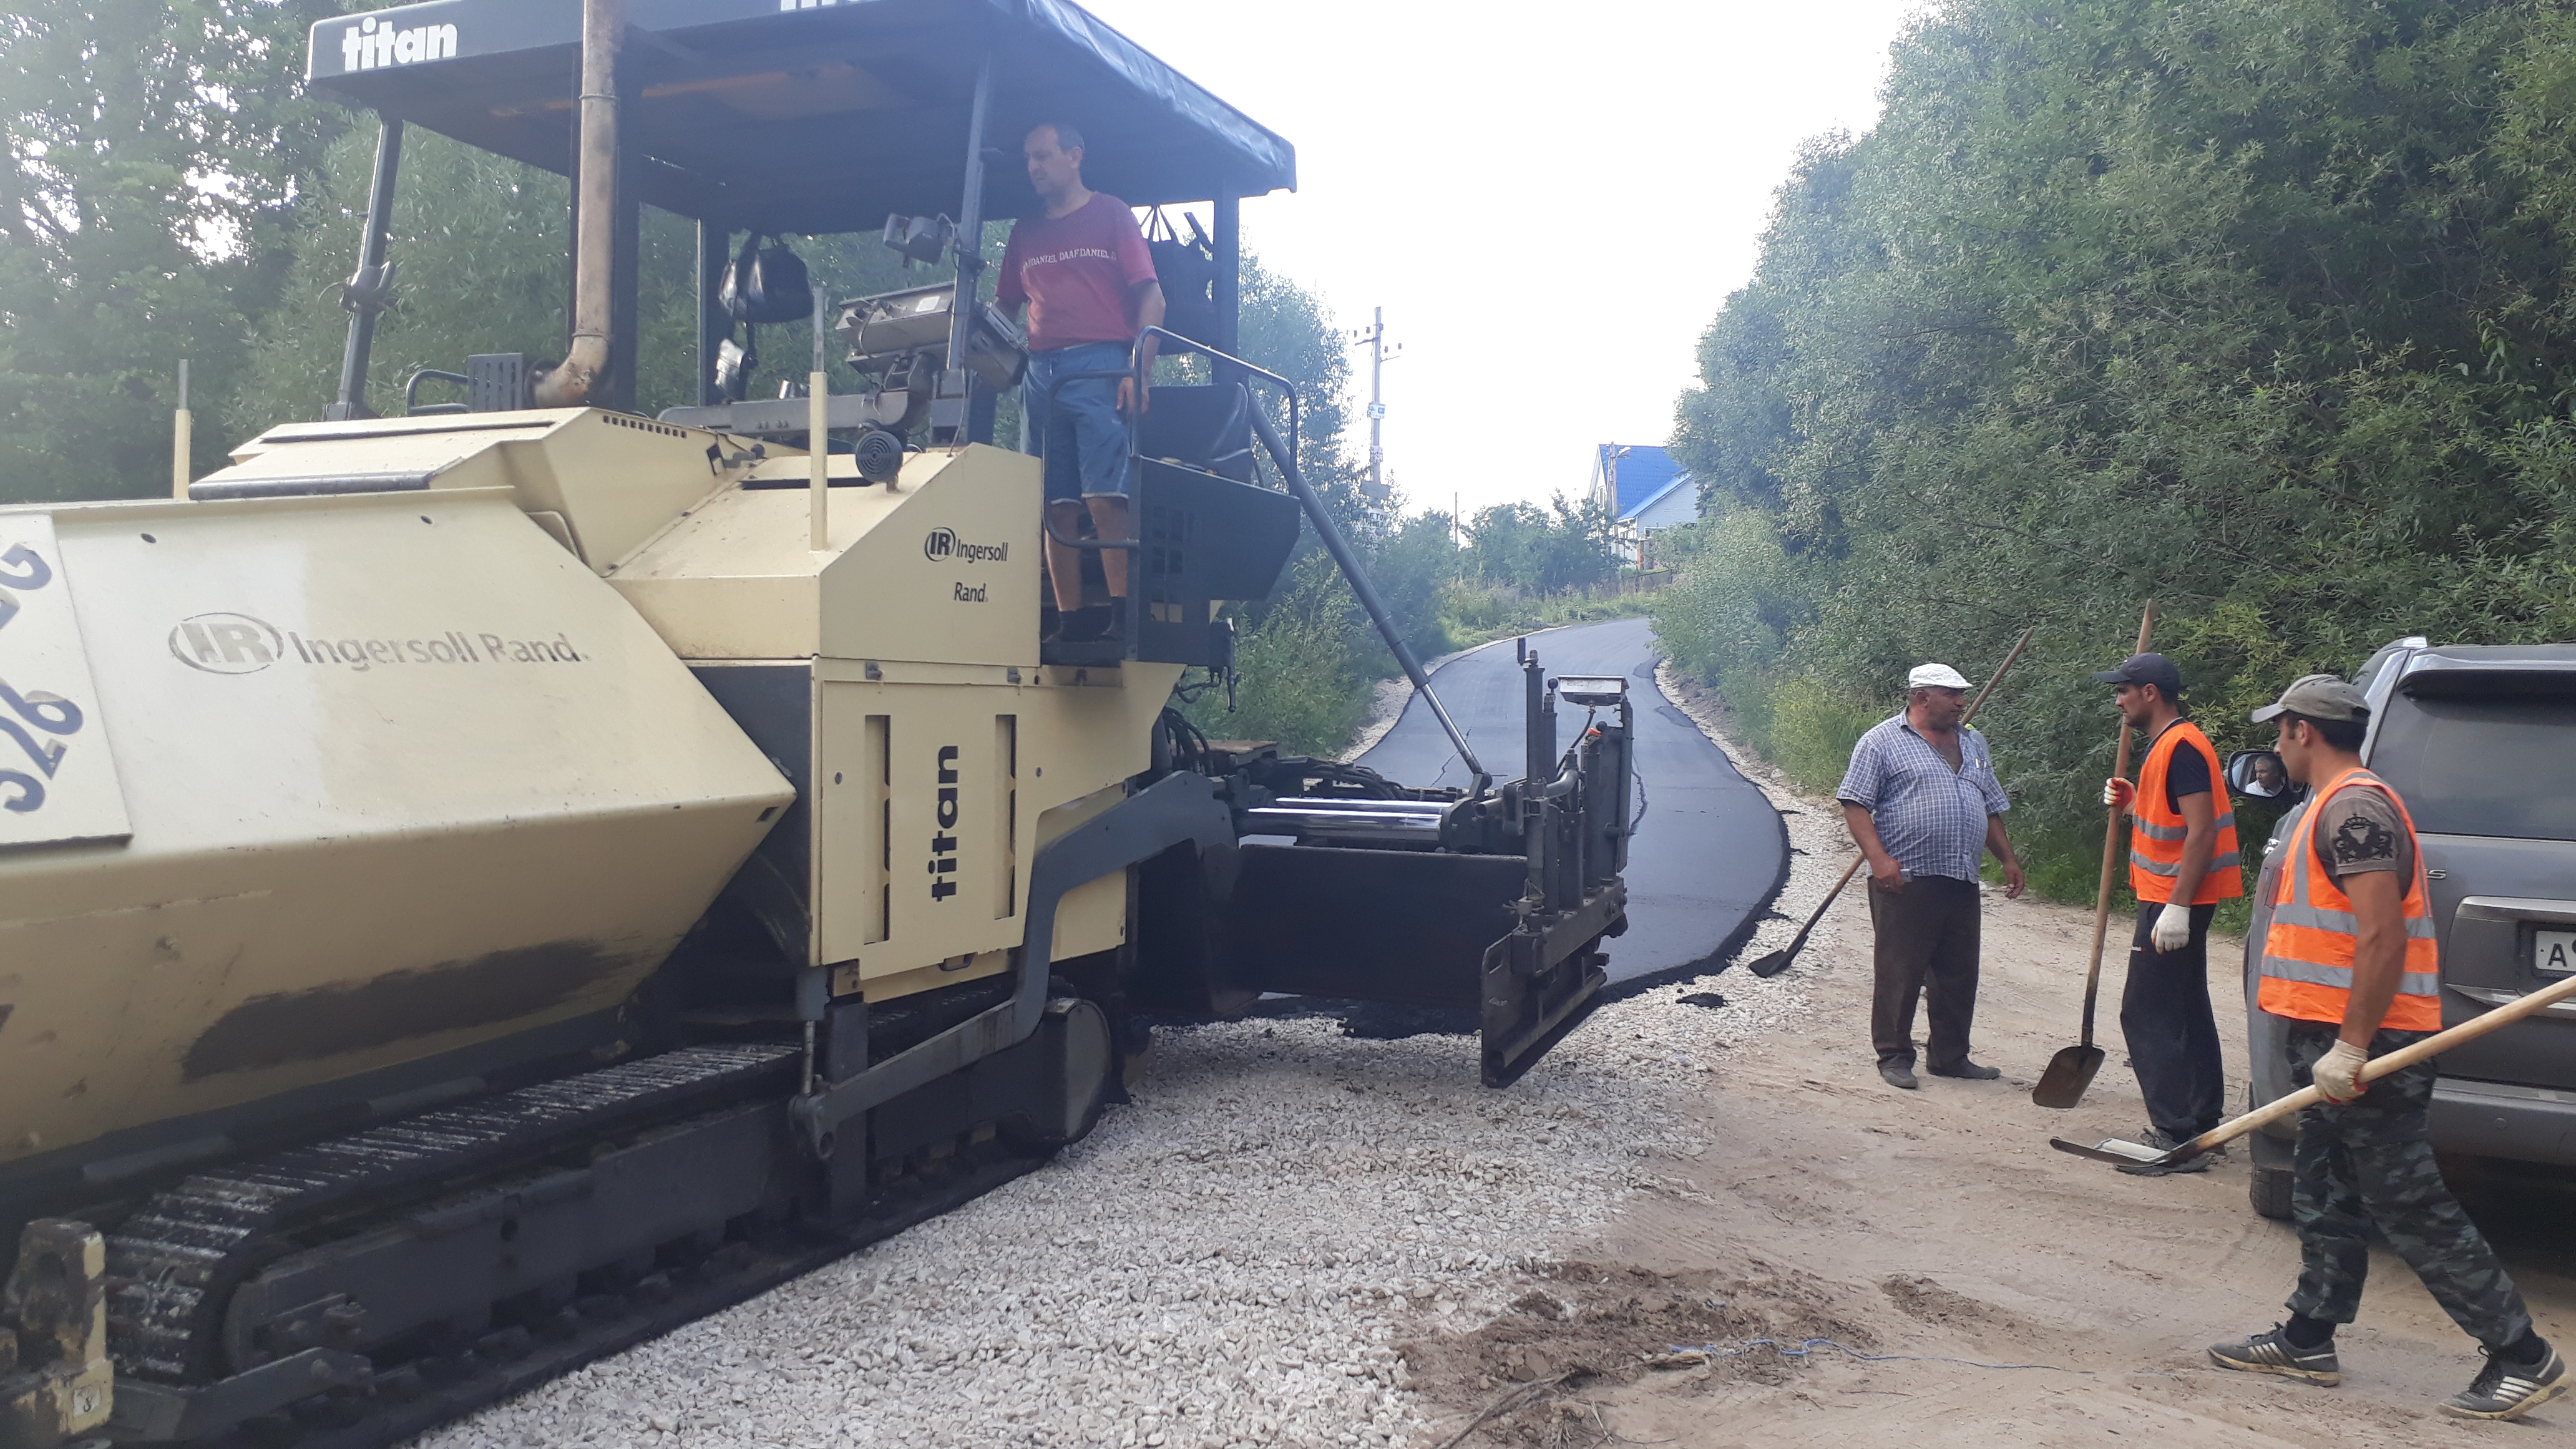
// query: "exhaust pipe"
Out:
[603,28]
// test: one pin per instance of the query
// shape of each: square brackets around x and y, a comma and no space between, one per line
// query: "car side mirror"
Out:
[2260,775]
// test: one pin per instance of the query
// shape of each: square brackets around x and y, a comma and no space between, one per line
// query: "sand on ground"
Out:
[1939,1223]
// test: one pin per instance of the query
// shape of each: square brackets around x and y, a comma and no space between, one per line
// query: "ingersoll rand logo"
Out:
[366,46]
[943,844]
[944,546]
[226,643]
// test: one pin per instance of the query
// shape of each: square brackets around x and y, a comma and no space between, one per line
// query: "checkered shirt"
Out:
[1930,817]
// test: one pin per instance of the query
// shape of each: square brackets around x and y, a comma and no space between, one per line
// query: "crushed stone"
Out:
[1242,1256]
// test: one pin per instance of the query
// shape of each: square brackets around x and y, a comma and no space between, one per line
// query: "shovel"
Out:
[2145,1161]
[1778,961]
[2071,1070]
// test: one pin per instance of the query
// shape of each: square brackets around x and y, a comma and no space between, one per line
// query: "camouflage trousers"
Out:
[2369,1162]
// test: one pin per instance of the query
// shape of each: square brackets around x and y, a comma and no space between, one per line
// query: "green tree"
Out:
[155,151]
[1550,550]
[2260,311]
[481,242]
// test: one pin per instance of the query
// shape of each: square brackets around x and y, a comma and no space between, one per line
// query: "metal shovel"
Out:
[2071,1070]
[1775,962]
[2142,1160]
[1778,961]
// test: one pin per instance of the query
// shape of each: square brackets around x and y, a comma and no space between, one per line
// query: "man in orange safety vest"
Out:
[2352,962]
[2182,863]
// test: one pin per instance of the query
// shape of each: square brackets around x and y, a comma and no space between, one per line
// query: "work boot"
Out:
[1898,1074]
[2508,1390]
[1968,1071]
[1083,625]
[2271,1353]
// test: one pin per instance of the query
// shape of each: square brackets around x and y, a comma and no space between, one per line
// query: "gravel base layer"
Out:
[1230,1260]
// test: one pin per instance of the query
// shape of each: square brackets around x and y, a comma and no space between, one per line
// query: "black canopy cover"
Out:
[807,115]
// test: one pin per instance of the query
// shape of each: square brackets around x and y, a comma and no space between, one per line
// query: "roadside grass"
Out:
[1473,613]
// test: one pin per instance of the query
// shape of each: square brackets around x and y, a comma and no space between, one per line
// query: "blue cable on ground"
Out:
[1712,1351]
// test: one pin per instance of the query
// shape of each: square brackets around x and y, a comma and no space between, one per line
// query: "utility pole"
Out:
[1375,338]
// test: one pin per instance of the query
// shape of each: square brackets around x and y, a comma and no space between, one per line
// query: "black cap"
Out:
[2152,669]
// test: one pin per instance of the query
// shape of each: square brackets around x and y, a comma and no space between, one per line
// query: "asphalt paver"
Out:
[1710,851]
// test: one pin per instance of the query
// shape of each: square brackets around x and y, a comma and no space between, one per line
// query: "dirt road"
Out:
[1939,1223]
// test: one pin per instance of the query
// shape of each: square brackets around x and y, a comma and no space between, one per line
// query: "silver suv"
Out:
[2480,740]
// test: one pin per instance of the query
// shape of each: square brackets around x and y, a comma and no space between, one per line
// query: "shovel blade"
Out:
[2069,1073]
[1771,965]
[2116,1151]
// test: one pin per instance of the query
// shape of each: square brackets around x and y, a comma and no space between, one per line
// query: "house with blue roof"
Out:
[1643,489]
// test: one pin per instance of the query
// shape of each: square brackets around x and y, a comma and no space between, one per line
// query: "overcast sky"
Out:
[1550,201]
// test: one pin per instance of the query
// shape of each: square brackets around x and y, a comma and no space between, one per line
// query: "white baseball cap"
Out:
[1935,676]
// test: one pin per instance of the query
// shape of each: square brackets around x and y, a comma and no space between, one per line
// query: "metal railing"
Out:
[1283,454]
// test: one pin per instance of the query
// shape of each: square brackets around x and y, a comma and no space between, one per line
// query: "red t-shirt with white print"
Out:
[1075,272]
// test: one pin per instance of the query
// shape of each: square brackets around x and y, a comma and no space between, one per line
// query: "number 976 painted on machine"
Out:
[57,780]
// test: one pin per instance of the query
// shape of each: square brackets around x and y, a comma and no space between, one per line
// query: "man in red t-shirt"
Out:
[1081,269]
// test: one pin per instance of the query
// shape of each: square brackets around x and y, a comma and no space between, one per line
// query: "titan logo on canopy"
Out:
[364,47]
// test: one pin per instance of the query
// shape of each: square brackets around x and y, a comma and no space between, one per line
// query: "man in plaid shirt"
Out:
[1922,800]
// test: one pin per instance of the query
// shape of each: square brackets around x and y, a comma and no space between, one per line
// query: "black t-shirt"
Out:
[2186,773]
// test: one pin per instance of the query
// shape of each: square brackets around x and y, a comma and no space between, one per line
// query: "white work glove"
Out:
[2173,929]
[2338,1073]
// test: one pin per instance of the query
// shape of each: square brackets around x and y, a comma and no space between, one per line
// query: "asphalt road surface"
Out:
[1709,853]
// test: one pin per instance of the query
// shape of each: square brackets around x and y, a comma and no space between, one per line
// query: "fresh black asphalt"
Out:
[1710,852]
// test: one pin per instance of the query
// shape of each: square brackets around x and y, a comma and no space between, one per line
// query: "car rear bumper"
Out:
[2499,1119]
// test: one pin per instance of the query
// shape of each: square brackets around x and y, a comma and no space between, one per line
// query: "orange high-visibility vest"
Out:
[2307,957]
[2156,828]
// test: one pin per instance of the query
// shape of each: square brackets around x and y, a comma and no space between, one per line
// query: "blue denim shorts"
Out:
[1085,441]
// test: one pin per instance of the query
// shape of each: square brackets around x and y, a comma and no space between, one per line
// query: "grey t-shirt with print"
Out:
[2359,831]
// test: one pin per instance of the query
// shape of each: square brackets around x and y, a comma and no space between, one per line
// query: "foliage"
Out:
[1548,550]
[1413,564]
[155,150]
[1305,683]
[2259,311]
[480,241]
[1474,612]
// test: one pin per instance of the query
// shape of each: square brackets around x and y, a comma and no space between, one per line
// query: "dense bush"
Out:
[2259,310]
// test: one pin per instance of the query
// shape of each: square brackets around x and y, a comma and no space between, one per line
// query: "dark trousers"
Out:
[2368,1162]
[2173,1038]
[1927,947]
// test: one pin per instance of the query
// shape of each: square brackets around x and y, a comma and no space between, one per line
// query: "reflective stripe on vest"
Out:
[2308,953]
[2157,830]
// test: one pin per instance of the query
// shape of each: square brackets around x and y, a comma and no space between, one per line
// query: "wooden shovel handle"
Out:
[2396,1061]
[1995,678]
[2110,848]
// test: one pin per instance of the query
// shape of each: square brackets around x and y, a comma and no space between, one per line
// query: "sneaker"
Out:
[2271,1353]
[1969,1071]
[2167,1142]
[2507,1390]
[1898,1074]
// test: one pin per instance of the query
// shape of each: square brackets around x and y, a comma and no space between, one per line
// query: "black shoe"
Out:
[1083,625]
[1967,1070]
[1898,1074]
[2508,1390]
[2272,1353]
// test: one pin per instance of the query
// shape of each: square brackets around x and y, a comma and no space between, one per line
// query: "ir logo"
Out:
[225,643]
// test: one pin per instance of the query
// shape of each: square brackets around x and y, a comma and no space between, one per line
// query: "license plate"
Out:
[2553,953]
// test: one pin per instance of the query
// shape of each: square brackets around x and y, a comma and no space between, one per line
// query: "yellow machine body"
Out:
[397,775]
